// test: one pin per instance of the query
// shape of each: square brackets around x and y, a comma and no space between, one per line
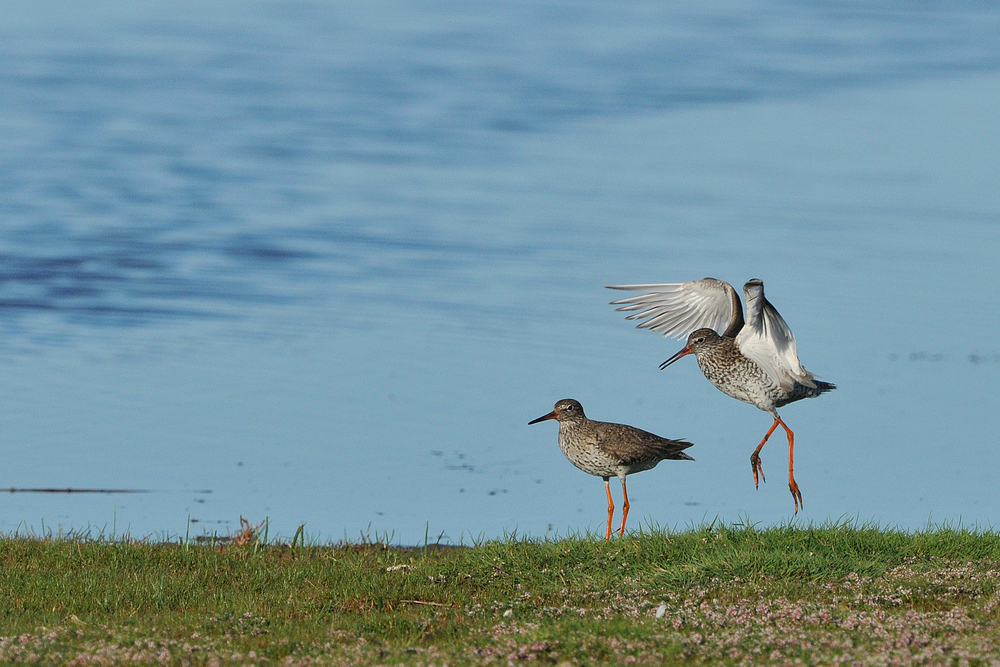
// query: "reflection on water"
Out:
[327,262]
[188,168]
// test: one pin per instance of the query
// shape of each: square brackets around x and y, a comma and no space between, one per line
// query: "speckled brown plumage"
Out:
[605,449]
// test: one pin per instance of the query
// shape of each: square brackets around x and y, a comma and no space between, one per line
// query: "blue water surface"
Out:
[321,263]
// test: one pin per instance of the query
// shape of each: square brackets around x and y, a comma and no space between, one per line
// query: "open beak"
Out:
[551,415]
[683,353]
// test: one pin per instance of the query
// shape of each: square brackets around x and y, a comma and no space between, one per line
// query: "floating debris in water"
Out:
[75,490]
[72,490]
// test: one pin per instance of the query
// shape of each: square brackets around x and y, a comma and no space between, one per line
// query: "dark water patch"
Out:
[111,274]
[984,358]
[264,250]
[920,356]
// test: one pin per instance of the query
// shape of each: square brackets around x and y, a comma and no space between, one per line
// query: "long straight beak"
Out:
[683,353]
[551,415]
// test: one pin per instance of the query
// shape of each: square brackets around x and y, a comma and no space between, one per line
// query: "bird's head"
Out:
[698,340]
[566,410]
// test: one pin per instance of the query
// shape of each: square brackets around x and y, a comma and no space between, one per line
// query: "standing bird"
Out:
[603,449]
[754,361]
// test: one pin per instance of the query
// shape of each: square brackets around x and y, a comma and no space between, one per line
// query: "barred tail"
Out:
[801,391]
[822,387]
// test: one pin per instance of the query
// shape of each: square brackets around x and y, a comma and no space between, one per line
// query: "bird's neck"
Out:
[570,424]
[714,349]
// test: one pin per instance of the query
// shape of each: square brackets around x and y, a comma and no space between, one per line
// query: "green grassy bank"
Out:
[838,594]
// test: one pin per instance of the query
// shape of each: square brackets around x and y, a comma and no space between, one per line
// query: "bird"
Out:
[753,360]
[604,449]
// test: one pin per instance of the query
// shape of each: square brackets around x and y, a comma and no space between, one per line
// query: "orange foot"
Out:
[796,495]
[758,470]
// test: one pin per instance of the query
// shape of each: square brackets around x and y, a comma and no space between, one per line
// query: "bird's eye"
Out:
[699,339]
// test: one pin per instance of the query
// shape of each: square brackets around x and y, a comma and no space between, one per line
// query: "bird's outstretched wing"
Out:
[767,340]
[677,309]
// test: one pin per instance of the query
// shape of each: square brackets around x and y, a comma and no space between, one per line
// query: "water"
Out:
[327,262]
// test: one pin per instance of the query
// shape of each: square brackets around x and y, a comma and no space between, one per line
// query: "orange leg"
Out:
[624,509]
[755,457]
[611,508]
[792,486]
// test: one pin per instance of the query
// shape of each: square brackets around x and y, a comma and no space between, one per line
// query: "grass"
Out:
[832,594]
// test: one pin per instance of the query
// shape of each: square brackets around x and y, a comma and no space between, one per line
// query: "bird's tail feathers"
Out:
[677,454]
[824,386]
